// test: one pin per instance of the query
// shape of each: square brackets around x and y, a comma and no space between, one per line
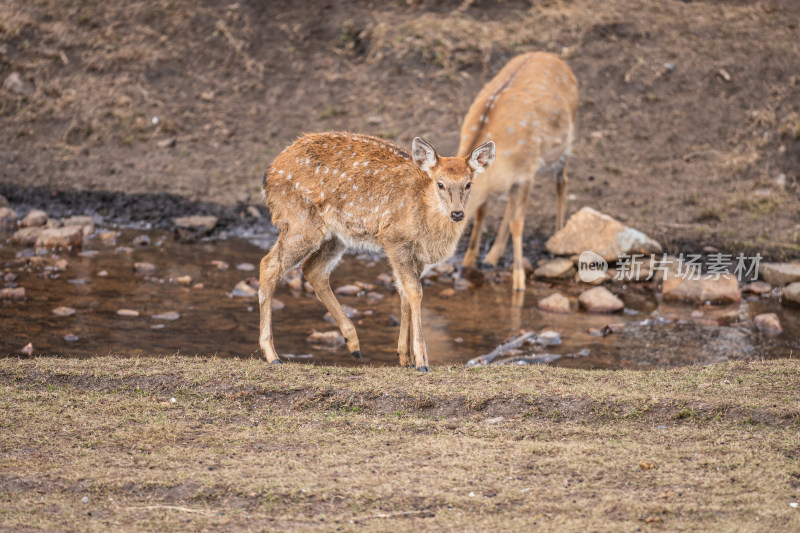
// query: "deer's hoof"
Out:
[423,369]
[357,355]
[276,362]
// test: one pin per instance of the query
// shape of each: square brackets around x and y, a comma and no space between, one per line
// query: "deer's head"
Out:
[451,177]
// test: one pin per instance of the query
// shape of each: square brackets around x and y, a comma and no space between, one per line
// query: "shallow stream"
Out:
[201,315]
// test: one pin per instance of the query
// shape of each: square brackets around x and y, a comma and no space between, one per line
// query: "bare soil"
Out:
[689,110]
[179,443]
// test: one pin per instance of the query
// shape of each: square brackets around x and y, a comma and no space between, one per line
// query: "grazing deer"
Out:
[529,111]
[332,191]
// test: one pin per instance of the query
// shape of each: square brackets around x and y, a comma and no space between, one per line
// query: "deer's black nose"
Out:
[457,215]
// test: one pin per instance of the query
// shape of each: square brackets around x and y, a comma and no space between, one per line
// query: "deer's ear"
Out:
[481,157]
[423,154]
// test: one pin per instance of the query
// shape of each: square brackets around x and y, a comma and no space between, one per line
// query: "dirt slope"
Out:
[689,110]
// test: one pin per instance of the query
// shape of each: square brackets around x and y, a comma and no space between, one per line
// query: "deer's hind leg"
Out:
[292,246]
[471,255]
[561,191]
[517,204]
[501,240]
[317,269]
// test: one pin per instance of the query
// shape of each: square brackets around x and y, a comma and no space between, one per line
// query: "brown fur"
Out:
[332,191]
[529,110]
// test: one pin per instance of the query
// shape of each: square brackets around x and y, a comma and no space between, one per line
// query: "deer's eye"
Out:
[469,184]
[441,185]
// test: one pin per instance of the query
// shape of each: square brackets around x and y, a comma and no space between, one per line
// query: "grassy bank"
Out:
[99,444]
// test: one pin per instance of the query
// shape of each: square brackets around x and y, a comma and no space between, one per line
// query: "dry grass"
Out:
[251,446]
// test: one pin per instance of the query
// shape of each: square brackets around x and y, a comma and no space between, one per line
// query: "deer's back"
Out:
[529,111]
[354,186]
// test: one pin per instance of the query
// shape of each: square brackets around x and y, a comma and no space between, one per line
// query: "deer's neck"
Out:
[440,234]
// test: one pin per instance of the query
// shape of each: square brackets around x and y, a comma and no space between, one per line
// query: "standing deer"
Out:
[332,191]
[529,111]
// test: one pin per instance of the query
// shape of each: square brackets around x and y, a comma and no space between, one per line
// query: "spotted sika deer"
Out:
[529,111]
[332,191]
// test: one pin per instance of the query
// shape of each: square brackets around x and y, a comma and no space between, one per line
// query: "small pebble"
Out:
[70,337]
[247,267]
[348,290]
[244,290]
[768,323]
[108,236]
[103,273]
[184,280]
[141,241]
[548,337]
[758,287]
[128,312]
[63,311]
[221,265]
[144,268]
[14,294]
[169,315]
[328,340]
[27,349]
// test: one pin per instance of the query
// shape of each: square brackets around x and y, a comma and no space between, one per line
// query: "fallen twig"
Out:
[500,350]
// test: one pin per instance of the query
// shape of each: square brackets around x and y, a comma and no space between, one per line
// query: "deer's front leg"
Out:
[407,271]
[404,340]
[413,290]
